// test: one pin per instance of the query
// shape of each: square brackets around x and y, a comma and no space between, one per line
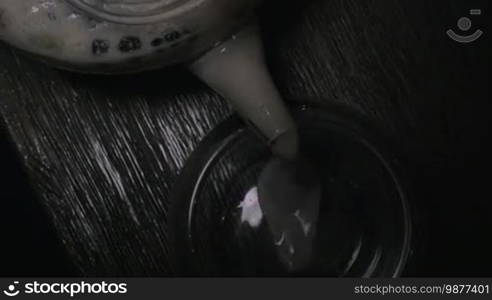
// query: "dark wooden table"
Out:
[102,153]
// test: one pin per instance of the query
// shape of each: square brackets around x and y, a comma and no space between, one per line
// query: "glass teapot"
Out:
[112,36]
[128,36]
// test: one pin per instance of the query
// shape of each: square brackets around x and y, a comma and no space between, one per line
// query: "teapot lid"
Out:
[134,11]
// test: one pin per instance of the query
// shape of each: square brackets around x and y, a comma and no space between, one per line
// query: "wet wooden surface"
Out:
[103,152]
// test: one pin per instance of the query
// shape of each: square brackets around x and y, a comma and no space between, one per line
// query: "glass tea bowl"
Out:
[364,227]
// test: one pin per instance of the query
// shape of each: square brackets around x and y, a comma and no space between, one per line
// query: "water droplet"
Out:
[281,241]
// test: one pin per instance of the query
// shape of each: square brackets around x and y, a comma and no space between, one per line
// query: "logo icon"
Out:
[11,291]
[465,24]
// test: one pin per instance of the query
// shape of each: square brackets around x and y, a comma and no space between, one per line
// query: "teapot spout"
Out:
[236,69]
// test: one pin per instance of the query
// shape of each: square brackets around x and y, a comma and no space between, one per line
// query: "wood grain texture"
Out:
[103,152]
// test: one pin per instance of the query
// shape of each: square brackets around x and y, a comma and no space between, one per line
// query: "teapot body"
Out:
[119,36]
